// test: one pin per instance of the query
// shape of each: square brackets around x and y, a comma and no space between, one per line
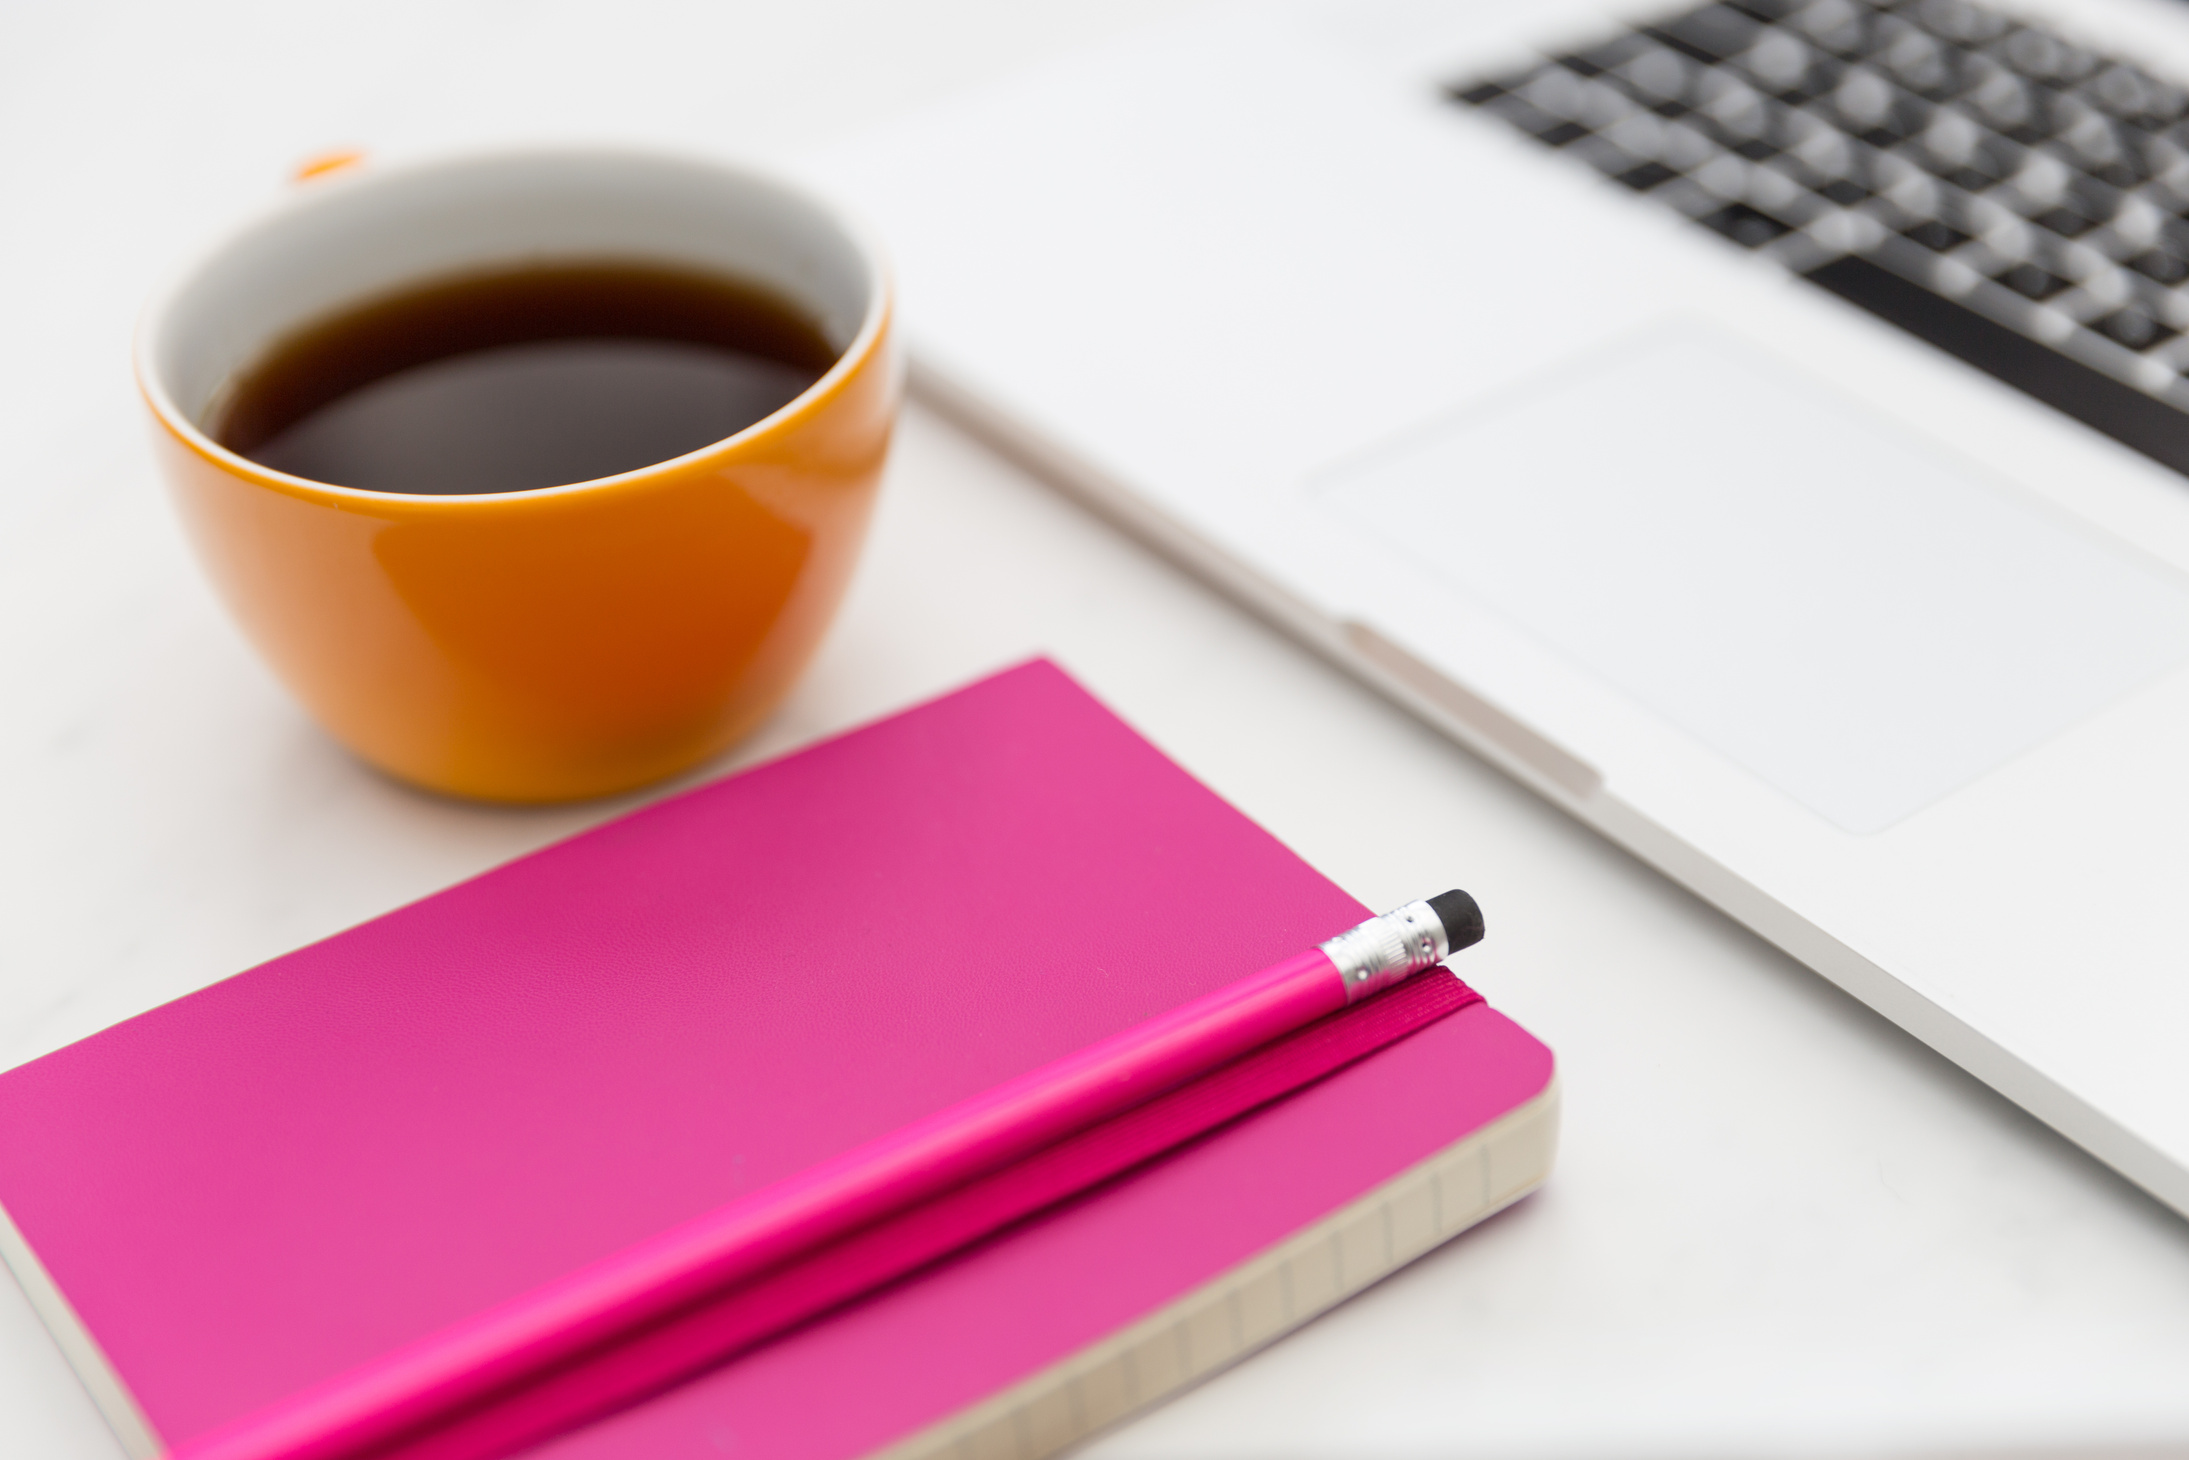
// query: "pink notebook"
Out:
[260,1186]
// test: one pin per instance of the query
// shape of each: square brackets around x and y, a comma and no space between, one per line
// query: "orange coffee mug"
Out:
[568,641]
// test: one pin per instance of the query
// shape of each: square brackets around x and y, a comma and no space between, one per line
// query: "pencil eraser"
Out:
[1461,916]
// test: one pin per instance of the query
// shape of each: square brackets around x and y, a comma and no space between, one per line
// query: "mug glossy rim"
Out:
[873,324]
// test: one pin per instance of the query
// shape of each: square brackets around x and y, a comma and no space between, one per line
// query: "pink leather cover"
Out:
[294,1171]
[643,1362]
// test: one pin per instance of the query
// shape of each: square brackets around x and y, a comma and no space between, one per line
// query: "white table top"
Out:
[1777,1225]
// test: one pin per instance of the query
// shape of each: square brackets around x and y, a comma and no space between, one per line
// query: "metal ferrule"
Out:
[1387,948]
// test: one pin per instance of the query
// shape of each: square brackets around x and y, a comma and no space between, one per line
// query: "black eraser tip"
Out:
[1461,916]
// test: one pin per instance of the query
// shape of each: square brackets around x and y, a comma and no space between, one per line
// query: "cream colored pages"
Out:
[77,1345]
[1258,1301]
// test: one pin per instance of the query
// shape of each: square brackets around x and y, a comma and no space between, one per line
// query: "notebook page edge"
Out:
[116,1405]
[1258,1301]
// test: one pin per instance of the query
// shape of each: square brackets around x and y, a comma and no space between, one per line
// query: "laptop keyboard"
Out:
[1994,188]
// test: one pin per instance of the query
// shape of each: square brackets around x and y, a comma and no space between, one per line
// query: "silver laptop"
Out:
[1759,427]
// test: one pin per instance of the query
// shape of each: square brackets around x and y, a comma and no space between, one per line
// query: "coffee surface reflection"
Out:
[522,378]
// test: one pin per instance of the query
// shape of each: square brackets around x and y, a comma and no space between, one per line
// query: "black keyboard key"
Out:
[1868,106]
[1609,56]
[2064,221]
[1536,122]
[1712,34]
[1739,118]
[2138,421]
[1968,179]
[1647,176]
[1745,226]
[1956,149]
[1827,162]
[2134,328]
[1784,66]
[2135,97]
[1599,153]
[2122,174]
[1936,236]
[1840,26]
[1959,21]
[2091,198]
[2032,282]
[2160,267]
[1660,78]
[2156,159]
[2011,106]
[1918,62]
[2092,142]
[1558,91]
[2042,56]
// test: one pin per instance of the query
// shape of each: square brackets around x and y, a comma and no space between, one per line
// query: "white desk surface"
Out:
[1777,1227]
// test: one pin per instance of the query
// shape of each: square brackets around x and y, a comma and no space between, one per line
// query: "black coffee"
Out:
[523,378]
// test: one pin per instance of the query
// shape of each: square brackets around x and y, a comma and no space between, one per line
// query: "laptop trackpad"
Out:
[1855,616]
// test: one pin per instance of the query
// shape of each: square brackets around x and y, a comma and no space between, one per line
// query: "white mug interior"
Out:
[353,237]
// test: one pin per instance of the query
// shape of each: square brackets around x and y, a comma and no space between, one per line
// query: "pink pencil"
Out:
[427,1382]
